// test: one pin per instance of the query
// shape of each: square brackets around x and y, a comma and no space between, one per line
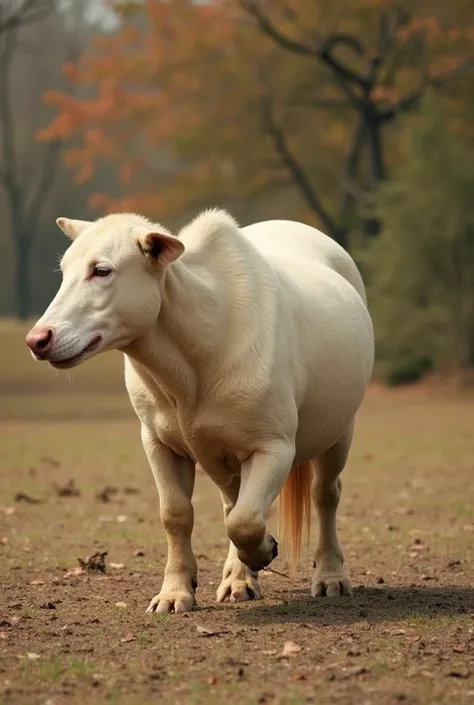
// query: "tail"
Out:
[295,511]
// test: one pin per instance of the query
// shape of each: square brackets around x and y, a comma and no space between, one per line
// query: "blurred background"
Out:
[356,117]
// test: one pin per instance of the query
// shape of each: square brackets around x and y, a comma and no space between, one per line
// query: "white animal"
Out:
[247,352]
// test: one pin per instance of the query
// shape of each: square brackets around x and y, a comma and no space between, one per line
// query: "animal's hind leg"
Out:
[239,583]
[329,578]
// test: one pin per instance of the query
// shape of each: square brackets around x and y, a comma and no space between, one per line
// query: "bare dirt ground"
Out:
[74,481]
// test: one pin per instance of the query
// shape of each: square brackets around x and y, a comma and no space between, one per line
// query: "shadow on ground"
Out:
[372,604]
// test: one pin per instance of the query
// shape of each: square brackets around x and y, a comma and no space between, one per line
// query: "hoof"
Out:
[240,585]
[274,548]
[265,563]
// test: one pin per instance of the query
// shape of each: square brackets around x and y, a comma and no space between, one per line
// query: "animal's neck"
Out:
[186,339]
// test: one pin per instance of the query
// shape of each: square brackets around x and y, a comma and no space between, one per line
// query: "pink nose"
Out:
[40,341]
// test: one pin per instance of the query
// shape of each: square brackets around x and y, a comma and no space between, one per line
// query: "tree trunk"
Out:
[378,173]
[340,235]
[377,159]
[22,277]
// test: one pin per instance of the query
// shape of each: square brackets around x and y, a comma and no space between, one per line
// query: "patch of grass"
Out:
[144,639]
[113,697]
[175,678]
[462,509]
[437,620]
[56,668]
[200,692]
[80,667]
[379,667]
[297,699]
[51,670]
[196,690]
[161,618]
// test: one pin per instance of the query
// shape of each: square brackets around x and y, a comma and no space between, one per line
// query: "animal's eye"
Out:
[100,271]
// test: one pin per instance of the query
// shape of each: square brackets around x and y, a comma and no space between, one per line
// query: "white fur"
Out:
[249,354]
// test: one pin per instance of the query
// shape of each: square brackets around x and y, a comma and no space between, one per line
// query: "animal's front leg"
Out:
[174,477]
[239,583]
[262,477]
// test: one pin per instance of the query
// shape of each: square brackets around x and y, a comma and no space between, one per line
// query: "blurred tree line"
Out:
[356,117]
[36,38]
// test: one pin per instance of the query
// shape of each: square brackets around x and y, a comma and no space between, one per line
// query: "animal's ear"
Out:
[159,248]
[72,228]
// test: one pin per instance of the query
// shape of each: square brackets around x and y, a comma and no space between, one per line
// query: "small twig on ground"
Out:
[277,572]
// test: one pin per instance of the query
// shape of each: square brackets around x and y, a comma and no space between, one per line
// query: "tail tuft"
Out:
[295,511]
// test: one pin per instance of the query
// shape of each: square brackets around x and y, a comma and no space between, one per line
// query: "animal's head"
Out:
[110,292]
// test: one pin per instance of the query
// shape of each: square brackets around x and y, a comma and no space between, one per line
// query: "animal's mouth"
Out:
[68,362]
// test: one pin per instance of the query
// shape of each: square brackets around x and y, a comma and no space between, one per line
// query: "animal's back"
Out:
[301,244]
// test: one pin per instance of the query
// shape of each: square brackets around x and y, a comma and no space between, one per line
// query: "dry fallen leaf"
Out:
[23,497]
[128,637]
[68,490]
[206,631]
[417,545]
[105,494]
[290,649]
[121,605]
[74,572]
[95,562]
[48,460]
[355,670]
[131,490]
[458,674]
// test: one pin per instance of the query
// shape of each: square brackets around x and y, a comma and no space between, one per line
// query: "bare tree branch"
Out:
[411,100]
[326,54]
[254,8]
[29,11]
[342,75]
[357,85]
[296,170]
[349,183]
[391,19]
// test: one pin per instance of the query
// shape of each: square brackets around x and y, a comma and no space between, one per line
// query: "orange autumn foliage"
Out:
[173,97]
